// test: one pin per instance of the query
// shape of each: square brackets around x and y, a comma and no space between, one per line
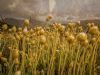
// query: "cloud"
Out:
[14,4]
[26,8]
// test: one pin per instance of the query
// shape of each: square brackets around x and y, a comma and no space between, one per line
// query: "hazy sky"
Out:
[26,8]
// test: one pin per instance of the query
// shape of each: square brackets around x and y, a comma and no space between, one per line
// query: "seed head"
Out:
[67,34]
[85,43]
[93,40]
[14,29]
[71,24]
[17,37]
[38,28]
[62,28]
[80,29]
[71,39]
[42,39]
[49,17]
[25,31]
[15,53]
[16,61]
[27,39]
[20,29]
[89,25]
[94,30]
[82,36]
[41,32]
[17,73]
[10,30]
[31,31]
[4,27]
[26,22]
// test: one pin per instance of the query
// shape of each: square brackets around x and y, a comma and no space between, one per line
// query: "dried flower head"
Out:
[71,24]
[85,43]
[4,27]
[10,30]
[42,32]
[15,53]
[17,37]
[93,40]
[14,29]
[90,25]
[16,61]
[66,34]
[80,28]
[31,31]
[17,73]
[62,28]
[26,22]
[20,29]
[71,39]
[49,17]
[25,31]
[94,30]
[42,39]
[82,36]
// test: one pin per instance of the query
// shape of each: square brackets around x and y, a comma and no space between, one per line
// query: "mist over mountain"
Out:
[21,9]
